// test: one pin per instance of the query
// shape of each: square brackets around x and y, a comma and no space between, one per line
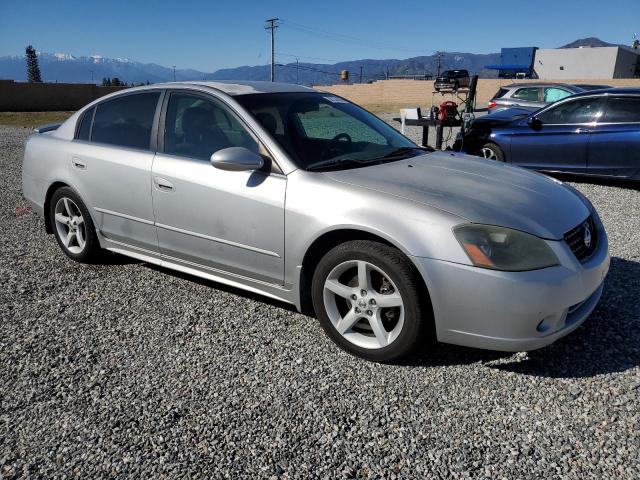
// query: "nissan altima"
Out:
[304,197]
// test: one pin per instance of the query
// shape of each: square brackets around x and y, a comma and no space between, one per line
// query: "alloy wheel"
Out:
[488,153]
[70,225]
[363,304]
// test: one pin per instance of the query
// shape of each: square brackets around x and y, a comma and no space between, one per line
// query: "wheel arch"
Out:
[47,201]
[332,238]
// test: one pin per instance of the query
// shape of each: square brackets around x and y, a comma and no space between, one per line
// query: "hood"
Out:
[506,115]
[478,190]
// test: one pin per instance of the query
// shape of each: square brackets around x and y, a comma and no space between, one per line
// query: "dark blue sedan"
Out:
[592,133]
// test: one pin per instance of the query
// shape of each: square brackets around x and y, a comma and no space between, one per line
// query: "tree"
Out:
[115,82]
[33,69]
[106,82]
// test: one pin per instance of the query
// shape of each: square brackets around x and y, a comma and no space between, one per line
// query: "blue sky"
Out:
[208,35]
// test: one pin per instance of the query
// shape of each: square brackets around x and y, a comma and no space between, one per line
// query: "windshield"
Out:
[322,131]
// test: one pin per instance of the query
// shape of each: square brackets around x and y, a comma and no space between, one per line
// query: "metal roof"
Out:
[508,67]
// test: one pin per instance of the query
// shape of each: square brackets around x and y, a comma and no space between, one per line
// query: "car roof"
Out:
[609,91]
[541,84]
[242,87]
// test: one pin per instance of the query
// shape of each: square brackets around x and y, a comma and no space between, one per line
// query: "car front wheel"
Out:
[491,151]
[367,296]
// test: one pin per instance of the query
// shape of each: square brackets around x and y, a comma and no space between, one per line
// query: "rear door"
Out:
[111,166]
[614,146]
[561,143]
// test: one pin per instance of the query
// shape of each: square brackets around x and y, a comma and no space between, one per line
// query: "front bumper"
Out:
[514,311]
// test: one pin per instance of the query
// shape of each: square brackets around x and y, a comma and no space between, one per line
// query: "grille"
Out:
[575,238]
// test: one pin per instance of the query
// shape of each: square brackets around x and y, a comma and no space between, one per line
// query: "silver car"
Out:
[305,197]
[533,96]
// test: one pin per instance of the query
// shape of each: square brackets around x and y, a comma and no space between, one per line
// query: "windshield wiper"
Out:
[351,162]
[332,162]
[402,150]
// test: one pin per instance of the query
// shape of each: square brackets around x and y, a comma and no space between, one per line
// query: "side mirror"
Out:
[534,123]
[236,159]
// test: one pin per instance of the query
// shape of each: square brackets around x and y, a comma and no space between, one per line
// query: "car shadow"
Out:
[608,342]
[110,258]
[224,288]
[606,182]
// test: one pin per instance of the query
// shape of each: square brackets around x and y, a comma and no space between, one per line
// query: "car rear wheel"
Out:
[367,297]
[73,227]
[491,151]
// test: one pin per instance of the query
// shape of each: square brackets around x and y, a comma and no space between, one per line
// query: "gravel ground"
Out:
[132,371]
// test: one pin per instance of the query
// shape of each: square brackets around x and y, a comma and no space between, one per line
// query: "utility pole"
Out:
[91,75]
[174,73]
[272,24]
[439,55]
[361,73]
[297,76]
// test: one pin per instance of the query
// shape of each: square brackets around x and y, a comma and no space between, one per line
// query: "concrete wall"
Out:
[44,97]
[390,95]
[587,63]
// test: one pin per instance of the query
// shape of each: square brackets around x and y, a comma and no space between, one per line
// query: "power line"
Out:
[295,55]
[345,38]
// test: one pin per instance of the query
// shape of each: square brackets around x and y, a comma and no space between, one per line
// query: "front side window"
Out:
[197,127]
[321,130]
[527,94]
[126,120]
[553,94]
[623,110]
[583,110]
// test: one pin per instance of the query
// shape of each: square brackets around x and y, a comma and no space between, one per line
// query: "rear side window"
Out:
[527,94]
[84,129]
[501,93]
[623,110]
[553,94]
[126,121]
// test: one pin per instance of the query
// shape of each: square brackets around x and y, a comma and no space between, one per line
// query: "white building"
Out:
[597,63]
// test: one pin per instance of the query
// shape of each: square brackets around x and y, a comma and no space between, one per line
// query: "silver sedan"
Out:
[305,197]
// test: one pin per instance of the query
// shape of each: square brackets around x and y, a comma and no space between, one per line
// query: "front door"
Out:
[561,142]
[210,218]
[614,148]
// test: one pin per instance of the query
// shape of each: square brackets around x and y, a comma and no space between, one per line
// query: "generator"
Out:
[448,112]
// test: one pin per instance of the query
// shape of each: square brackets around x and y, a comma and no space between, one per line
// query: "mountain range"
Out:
[61,67]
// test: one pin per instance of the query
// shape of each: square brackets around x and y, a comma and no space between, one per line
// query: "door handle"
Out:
[583,130]
[163,184]
[78,164]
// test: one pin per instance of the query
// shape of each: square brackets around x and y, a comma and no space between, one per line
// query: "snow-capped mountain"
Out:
[64,67]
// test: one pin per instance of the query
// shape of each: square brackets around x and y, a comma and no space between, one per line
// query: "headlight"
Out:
[505,249]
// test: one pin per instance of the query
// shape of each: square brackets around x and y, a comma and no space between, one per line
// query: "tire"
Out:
[72,226]
[491,151]
[370,330]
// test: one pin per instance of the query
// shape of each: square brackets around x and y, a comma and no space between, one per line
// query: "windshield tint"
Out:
[318,129]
